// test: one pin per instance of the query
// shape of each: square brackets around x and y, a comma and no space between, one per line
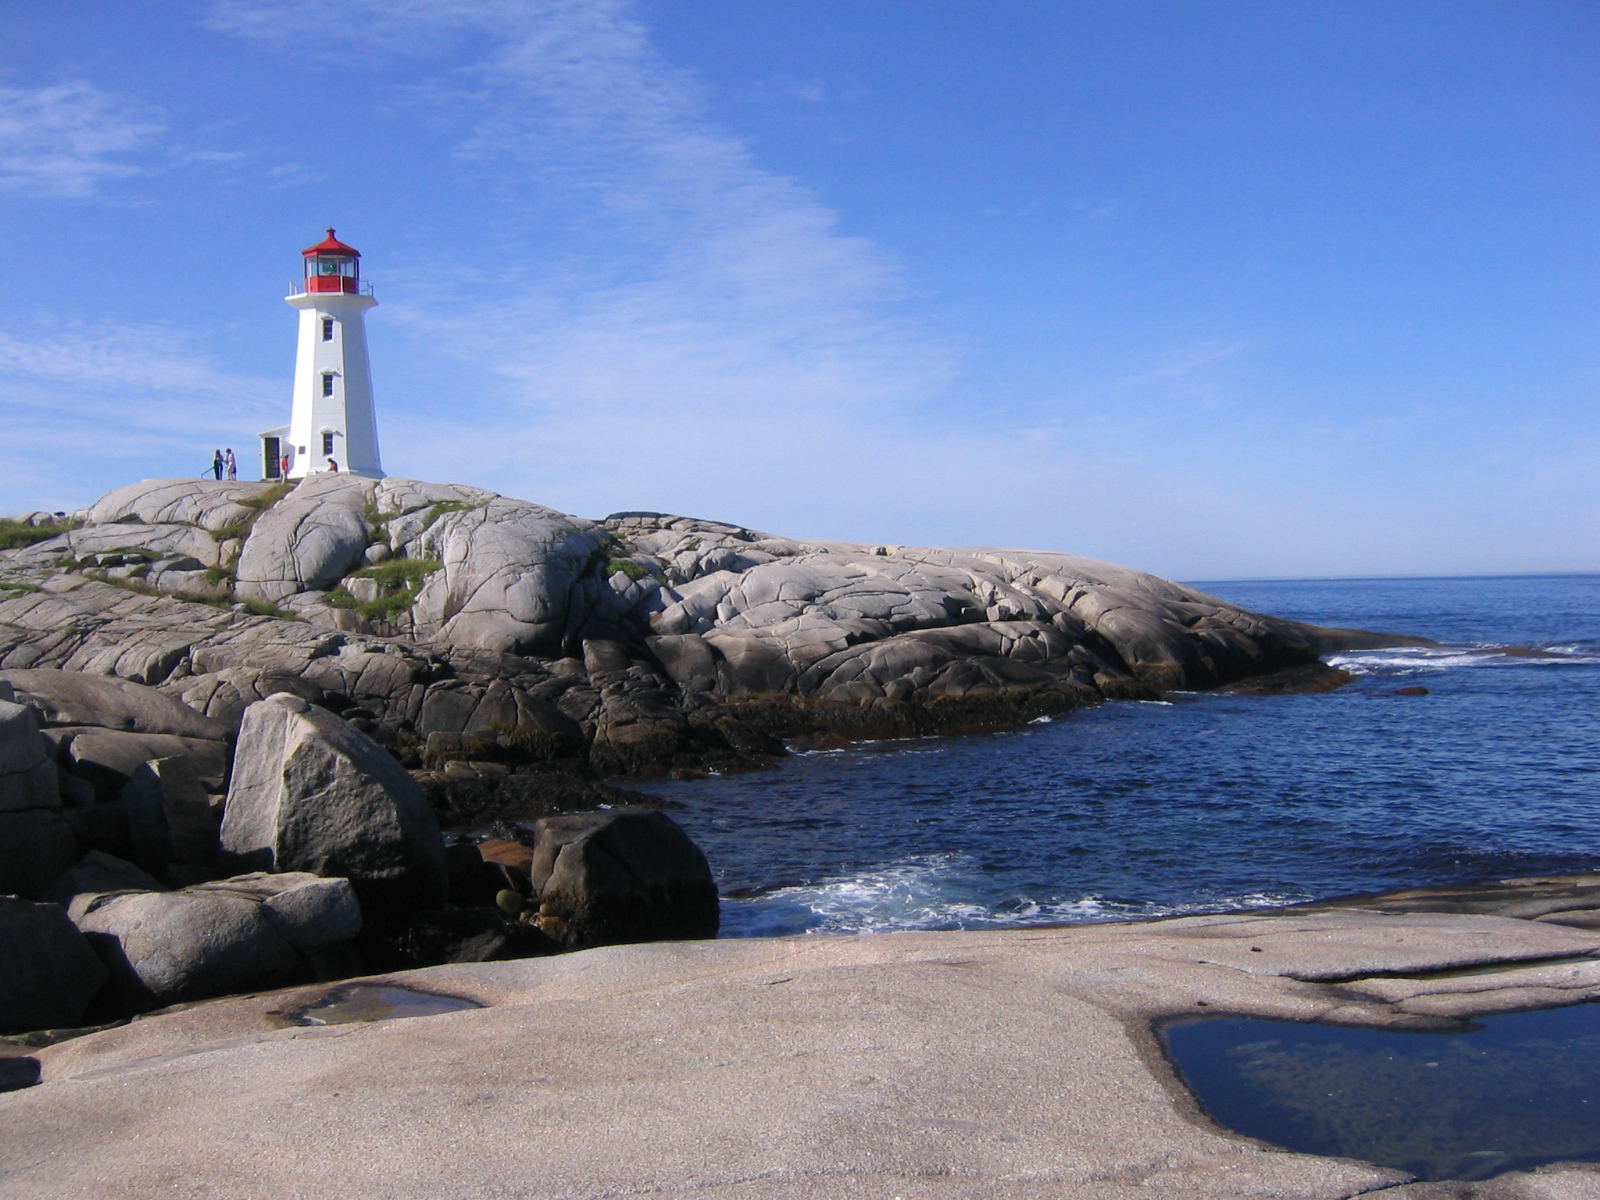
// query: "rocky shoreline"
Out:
[234,718]
[238,721]
[1009,1064]
[453,624]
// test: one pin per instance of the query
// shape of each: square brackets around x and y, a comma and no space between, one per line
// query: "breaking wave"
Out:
[1409,660]
[941,891]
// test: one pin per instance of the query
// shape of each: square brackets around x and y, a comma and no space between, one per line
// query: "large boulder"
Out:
[213,938]
[109,758]
[309,540]
[170,817]
[28,778]
[608,878]
[509,569]
[98,871]
[37,841]
[311,793]
[48,973]
[80,698]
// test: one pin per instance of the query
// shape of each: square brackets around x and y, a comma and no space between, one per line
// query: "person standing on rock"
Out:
[232,465]
[216,464]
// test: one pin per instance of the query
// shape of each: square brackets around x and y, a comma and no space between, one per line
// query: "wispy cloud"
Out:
[70,138]
[657,320]
[1176,364]
[707,289]
[136,400]
[121,357]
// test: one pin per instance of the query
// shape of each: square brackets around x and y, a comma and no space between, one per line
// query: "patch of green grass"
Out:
[386,608]
[19,589]
[16,534]
[216,575]
[448,506]
[259,608]
[628,567]
[266,608]
[600,556]
[267,498]
[240,527]
[377,523]
[401,572]
[401,580]
[129,585]
[233,529]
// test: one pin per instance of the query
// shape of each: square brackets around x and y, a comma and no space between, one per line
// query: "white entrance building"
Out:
[332,425]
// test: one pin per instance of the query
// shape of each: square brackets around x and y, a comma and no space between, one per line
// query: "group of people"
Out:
[223,461]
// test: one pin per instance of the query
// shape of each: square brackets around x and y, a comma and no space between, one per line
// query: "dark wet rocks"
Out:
[48,972]
[328,860]
[1310,678]
[37,839]
[608,878]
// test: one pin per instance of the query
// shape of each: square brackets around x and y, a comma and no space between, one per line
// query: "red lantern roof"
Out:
[331,245]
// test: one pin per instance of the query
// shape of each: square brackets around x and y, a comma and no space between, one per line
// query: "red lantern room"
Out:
[331,266]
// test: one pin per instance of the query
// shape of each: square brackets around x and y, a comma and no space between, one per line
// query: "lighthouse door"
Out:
[270,458]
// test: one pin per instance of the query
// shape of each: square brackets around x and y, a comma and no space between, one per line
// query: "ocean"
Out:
[1203,802]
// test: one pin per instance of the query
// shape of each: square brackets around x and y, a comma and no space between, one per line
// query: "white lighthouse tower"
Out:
[333,424]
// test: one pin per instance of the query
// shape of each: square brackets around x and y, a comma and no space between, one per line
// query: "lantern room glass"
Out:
[331,264]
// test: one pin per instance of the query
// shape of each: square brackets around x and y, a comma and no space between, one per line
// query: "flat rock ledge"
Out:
[454,624]
[1016,1065]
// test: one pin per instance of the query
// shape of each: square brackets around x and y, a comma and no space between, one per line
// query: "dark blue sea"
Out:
[1203,802]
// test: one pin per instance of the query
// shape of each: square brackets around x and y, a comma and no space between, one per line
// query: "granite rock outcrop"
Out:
[667,643]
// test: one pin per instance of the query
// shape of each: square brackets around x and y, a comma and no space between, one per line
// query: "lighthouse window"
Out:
[327,444]
[328,264]
[327,385]
[327,329]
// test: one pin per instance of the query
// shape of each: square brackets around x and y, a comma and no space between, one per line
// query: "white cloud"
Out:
[715,282]
[81,402]
[708,339]
[68,139]
[118,358]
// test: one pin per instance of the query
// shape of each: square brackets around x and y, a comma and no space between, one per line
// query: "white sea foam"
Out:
[1408,660]
[937,892]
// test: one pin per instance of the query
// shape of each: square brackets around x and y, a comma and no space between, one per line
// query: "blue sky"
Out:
[1216,288]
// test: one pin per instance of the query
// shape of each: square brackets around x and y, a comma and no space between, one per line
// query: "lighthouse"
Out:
[332,424]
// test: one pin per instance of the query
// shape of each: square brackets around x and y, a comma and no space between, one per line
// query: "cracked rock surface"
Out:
[660,643]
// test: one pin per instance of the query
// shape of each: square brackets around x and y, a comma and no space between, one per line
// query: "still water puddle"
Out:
[1512,1093]
[358,1002]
